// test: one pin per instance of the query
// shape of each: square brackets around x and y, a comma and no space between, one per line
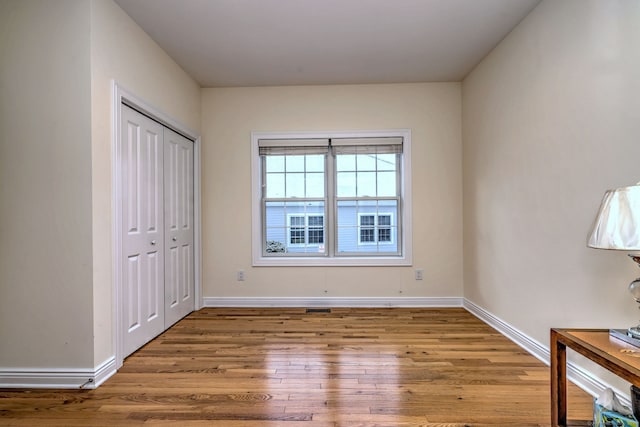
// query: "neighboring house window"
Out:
[375,229]
[315,229]
[306,229]
[297,230]
[367,229]
[331,201]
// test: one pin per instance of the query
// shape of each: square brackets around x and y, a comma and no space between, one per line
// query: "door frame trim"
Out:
[121,96]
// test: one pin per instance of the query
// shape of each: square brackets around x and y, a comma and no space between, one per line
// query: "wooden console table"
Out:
[595,344]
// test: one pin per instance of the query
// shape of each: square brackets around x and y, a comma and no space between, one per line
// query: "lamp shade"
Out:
[617,225]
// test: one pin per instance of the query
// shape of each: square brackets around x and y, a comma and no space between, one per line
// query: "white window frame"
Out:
[376,226]
[306,227]
[290,228]
[259,259]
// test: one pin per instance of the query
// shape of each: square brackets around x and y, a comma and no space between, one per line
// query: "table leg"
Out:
[558,382]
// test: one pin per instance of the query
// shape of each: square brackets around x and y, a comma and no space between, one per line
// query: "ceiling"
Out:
[226,43]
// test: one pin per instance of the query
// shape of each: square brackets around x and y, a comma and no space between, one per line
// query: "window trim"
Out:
[258,259]
[290,229]
[376,226]
[306,228]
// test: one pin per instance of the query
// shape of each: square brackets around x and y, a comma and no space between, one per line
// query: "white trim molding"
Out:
[57,377]
[576,374]
[120,96]
[364,302]
[532,346]
[259,260]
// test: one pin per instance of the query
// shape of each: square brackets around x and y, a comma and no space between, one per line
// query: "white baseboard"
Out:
[364,302]
[104,371]
[57,377]
[536,349]
[577,375]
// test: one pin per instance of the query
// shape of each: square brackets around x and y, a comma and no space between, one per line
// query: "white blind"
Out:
[390,145]
[280,147]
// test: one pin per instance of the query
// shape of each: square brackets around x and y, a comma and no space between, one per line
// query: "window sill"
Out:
[332,262]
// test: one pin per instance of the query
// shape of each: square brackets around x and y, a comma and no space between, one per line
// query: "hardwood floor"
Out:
[287,367]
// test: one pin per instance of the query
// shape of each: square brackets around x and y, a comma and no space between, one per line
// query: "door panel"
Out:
[143,232]
[132,278]
[179,233]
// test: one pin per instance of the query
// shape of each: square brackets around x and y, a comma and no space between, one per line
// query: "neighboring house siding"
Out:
[277,225]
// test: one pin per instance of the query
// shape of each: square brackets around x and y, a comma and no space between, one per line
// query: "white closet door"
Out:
[179,233]
[142,229]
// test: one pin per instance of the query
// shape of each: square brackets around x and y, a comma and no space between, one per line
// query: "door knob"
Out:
[153,243]
[174,239]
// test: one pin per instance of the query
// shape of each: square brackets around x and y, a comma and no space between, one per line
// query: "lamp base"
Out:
[624,335]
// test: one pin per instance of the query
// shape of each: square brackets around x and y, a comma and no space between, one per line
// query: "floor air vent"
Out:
[318,310]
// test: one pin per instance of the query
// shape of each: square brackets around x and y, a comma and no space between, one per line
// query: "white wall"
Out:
[45,185]
[58,61]
[121,51]
[431,111]
[551,119]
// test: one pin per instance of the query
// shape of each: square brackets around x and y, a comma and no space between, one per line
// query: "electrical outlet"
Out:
[240,276]
[419,274]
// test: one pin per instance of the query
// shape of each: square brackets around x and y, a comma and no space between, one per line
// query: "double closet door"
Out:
[157,228]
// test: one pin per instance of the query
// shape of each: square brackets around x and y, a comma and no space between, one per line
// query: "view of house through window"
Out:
[331,197]
[306,229]
[375,228]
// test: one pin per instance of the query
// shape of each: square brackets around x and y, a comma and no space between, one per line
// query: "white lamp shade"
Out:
[617,225]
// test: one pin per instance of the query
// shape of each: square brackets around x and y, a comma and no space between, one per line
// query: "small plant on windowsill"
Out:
[273,246]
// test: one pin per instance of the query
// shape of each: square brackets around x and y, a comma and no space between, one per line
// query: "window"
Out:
[367,229]
[375,229]
[297,230]
[337,199]
[305,230]
[315,229]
